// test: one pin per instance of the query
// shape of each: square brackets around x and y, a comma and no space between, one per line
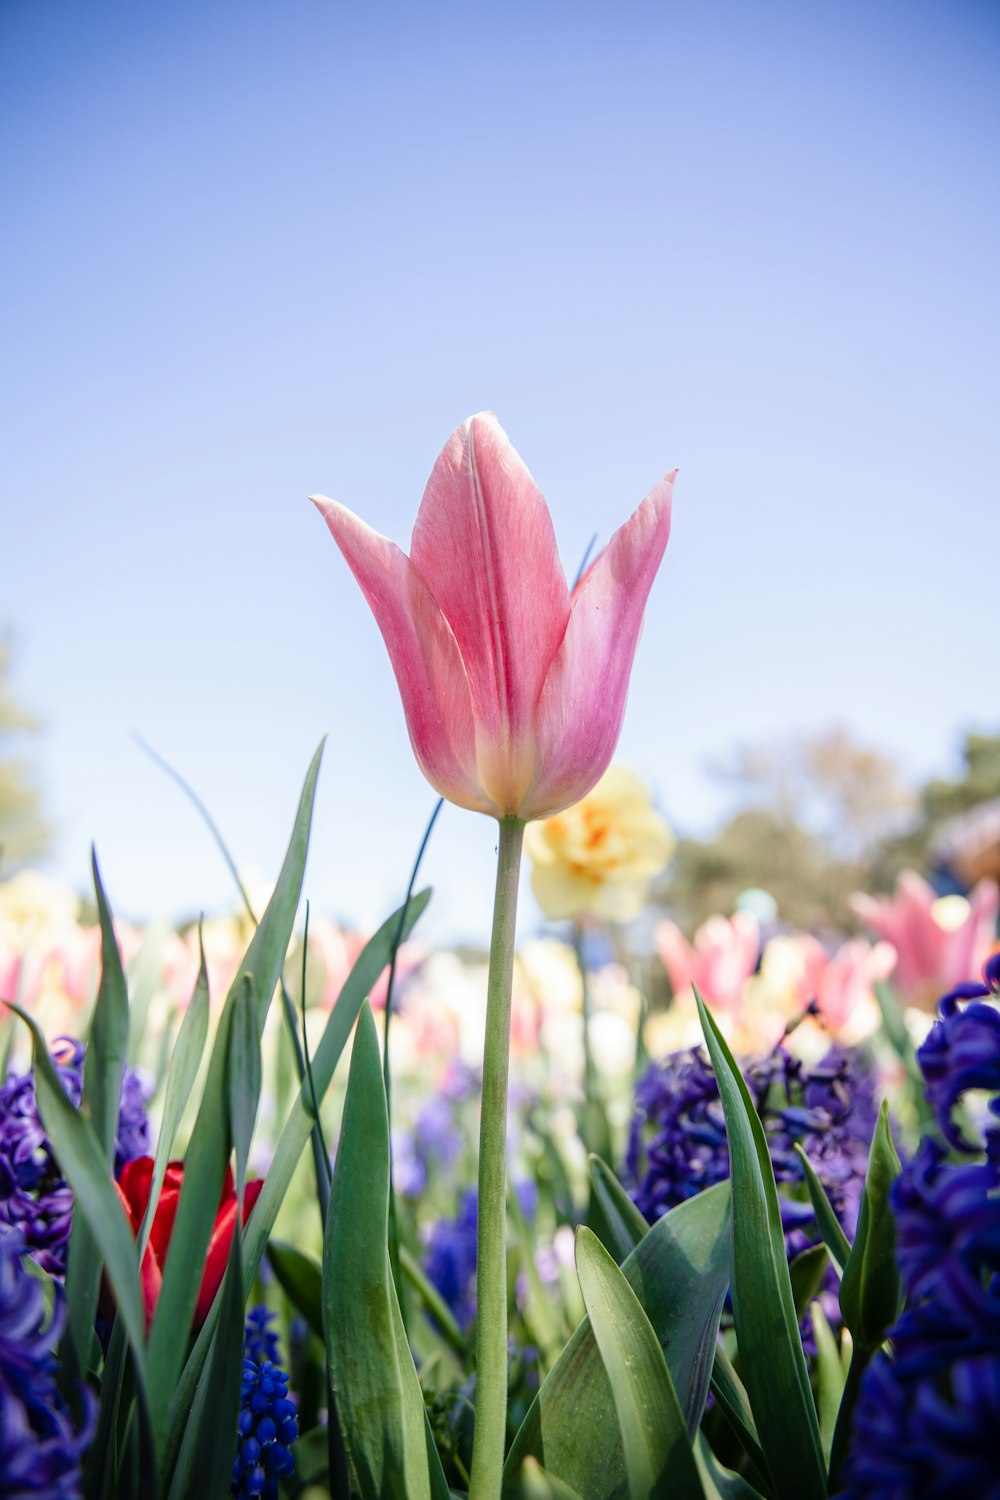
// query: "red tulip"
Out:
[133,1188]
[513,689]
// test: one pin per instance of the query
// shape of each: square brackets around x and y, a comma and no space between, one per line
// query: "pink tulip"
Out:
[934,955]
[723,956]
[513,689]
[841,982]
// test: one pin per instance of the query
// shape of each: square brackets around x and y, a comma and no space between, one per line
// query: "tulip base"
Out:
[491,1233]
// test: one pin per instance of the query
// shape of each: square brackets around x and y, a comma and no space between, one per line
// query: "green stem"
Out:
[491,1243]
[842,1432]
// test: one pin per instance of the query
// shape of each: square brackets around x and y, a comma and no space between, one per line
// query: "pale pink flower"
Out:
[723,956]
[940,942]
[513,689]
[842,982]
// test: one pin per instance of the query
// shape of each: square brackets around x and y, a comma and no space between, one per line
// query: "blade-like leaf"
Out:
[774,1366]
[183,1070]
[871,1293]
[833,1236]
[208,1153]
[204,1467]
[301,1278]
[536,1484]
[378,1395]
[806,1272]
[103,1068]
[371,961]
[731,1394]
[81,1161]
[623,1225]
[829,1377]
[658,1458]
[680,1274]
[243,1077]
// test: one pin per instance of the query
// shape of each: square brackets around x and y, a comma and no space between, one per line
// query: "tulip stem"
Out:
[491,1241]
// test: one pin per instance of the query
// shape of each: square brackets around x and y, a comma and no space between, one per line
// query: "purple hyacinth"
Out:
[34,1198]
[927,1416]
[677,1142]
[450,1259]
[260,1342]
[40,1447]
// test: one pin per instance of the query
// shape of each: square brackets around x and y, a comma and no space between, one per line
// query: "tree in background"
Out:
[956,832]
[24,835]
[814,815]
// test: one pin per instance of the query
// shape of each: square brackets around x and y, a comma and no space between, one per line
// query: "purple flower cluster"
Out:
[927,1417]
[450,1259]
[260,1342]
[34,1198]
[40,1447]
[677,1141]
[268,1426]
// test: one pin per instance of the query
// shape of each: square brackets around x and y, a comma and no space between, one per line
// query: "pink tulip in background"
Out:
[721,959]
[513,689]
[842,981]
[940,943]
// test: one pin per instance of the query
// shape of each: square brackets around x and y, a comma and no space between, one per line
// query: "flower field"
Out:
[625,1207]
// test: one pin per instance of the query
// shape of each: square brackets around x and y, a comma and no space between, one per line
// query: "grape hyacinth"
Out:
[268,1423]
[928,1414]
[40,1447]
[34,1198]
[260,1342]
[677,1141]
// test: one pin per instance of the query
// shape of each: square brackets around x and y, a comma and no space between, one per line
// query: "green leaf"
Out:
[658,1457]
[102,1087]
[871,1294]
[300,1276]
[536,1484]
[371,961]
[680,1274]
[718,1482]
[208,1152]
[806,1272]
[434,1303]
[82,1162]
[184,1063]
[243,1078]
[378,1395]
[829,1377]
[775,1370]
[619,1224]
[205,1465]
[731,1394]
[833,1236]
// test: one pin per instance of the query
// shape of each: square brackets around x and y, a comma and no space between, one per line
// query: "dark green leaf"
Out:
[680,1274]
[774,1366]
[301,1278]
[871,1294]
[102,1087]
[807,1271]
[243,1077]
[208,1153]
[378,1395]
[833,1236]
[731,1394]
[536,1484]
[619,1224]
[658,1457]
[829,1377]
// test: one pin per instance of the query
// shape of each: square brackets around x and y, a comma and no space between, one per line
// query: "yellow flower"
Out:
[598,856]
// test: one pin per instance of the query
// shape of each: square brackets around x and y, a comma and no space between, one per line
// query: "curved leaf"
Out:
[658,1457]
[379,1401]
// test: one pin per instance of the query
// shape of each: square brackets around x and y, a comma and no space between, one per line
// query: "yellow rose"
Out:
[598,856]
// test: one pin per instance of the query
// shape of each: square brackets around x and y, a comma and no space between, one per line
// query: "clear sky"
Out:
[253,250]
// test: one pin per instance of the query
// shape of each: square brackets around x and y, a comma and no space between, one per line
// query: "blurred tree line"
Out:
[24,834]
[822,816]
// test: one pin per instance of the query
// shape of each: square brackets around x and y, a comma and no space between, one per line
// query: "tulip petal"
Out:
[583,700]
[423,653]
[484,544]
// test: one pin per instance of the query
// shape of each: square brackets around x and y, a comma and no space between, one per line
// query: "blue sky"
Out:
[256,250]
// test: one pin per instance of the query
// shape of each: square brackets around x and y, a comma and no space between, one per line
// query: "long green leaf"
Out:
[871,1293]
[102,1087]
[622,1224]
[731,1394]
[378,1394]
[208,1153]
[206,1459]
[806,1273]
[81,1160]
[829,1377]
[301,1278]
[183,1070]
[370,963]
[680,1274]
[775,1370]
[243,1078]
[658,1457]
[833,1236]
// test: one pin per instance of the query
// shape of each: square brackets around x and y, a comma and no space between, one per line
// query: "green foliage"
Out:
[871,1293]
